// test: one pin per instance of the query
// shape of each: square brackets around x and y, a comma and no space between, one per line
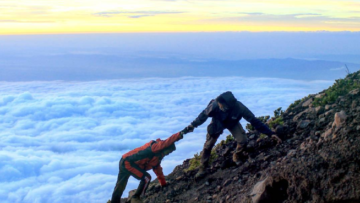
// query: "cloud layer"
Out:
[61,141]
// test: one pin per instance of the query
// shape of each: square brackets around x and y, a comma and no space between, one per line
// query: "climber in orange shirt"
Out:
[136,162]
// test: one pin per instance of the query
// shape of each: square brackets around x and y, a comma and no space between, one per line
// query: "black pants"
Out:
[123,178]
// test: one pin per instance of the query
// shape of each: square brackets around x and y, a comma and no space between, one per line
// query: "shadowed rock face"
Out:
[318,161]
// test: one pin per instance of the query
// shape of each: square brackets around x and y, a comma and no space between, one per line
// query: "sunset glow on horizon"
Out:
[110,16]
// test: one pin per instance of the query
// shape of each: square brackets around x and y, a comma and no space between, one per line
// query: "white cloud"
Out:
[62,141]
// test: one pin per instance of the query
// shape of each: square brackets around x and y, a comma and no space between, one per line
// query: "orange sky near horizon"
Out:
[116,16]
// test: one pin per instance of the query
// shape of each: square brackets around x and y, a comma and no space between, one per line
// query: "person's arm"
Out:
[256,123]
[160,175]
[162,144]
[204,115]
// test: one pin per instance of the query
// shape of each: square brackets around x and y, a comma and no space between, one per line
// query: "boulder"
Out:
[354,92]
[354,104]
[327,107]
[303,124]
[340,119]
[318,96]
[319,110]
[259,190]
[307,103]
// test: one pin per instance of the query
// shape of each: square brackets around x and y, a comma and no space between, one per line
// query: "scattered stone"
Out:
[296,118]
[328,134]
[319,110]
[303,124]
[354,92]
[318,96]
[291,153]
[340,118]
[329,112]
[354,104]
[307,103]
[322,122]
[327,107]
[258,191]
[227,182]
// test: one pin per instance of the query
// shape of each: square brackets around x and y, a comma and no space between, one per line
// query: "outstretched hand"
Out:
[188,129]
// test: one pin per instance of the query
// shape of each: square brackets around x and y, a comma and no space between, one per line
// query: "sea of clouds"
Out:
[62,141]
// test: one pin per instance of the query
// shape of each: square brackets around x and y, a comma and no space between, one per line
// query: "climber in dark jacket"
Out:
[226,112]
[137,161]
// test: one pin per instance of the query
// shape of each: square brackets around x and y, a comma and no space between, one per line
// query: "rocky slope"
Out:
[318,161]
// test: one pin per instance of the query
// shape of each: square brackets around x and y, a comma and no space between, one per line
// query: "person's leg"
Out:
[144,183]
[209,144]
[120,186]
[240,136]
[206,154]
[141,175]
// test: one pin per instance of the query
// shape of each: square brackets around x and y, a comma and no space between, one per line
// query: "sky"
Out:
[61,141]
[114,16]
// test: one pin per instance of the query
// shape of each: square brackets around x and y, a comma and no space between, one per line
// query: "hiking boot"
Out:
[136,200]
[201,173]
[239,154]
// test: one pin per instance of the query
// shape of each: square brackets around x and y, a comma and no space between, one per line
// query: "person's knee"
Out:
[147,177]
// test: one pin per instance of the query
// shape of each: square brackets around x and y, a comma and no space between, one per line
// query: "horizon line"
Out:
[177,32]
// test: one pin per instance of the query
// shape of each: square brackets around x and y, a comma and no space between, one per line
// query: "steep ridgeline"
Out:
[318,161]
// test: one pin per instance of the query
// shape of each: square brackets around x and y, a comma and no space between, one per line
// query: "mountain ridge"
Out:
[318,161]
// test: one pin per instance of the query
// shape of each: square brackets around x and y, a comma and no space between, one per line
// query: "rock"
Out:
[307,103]
[131,193]
[318,96]
[354,104]
[327,107]
[354,92]
[296,118]
[319,110]
[227,182]
[252,137]
[322,121]
[280,131]
[214,196]
[328,134]
[358,108]
[340,119]
[358,128]
[258,191]
[329,112]
[291,153]
[303,124]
